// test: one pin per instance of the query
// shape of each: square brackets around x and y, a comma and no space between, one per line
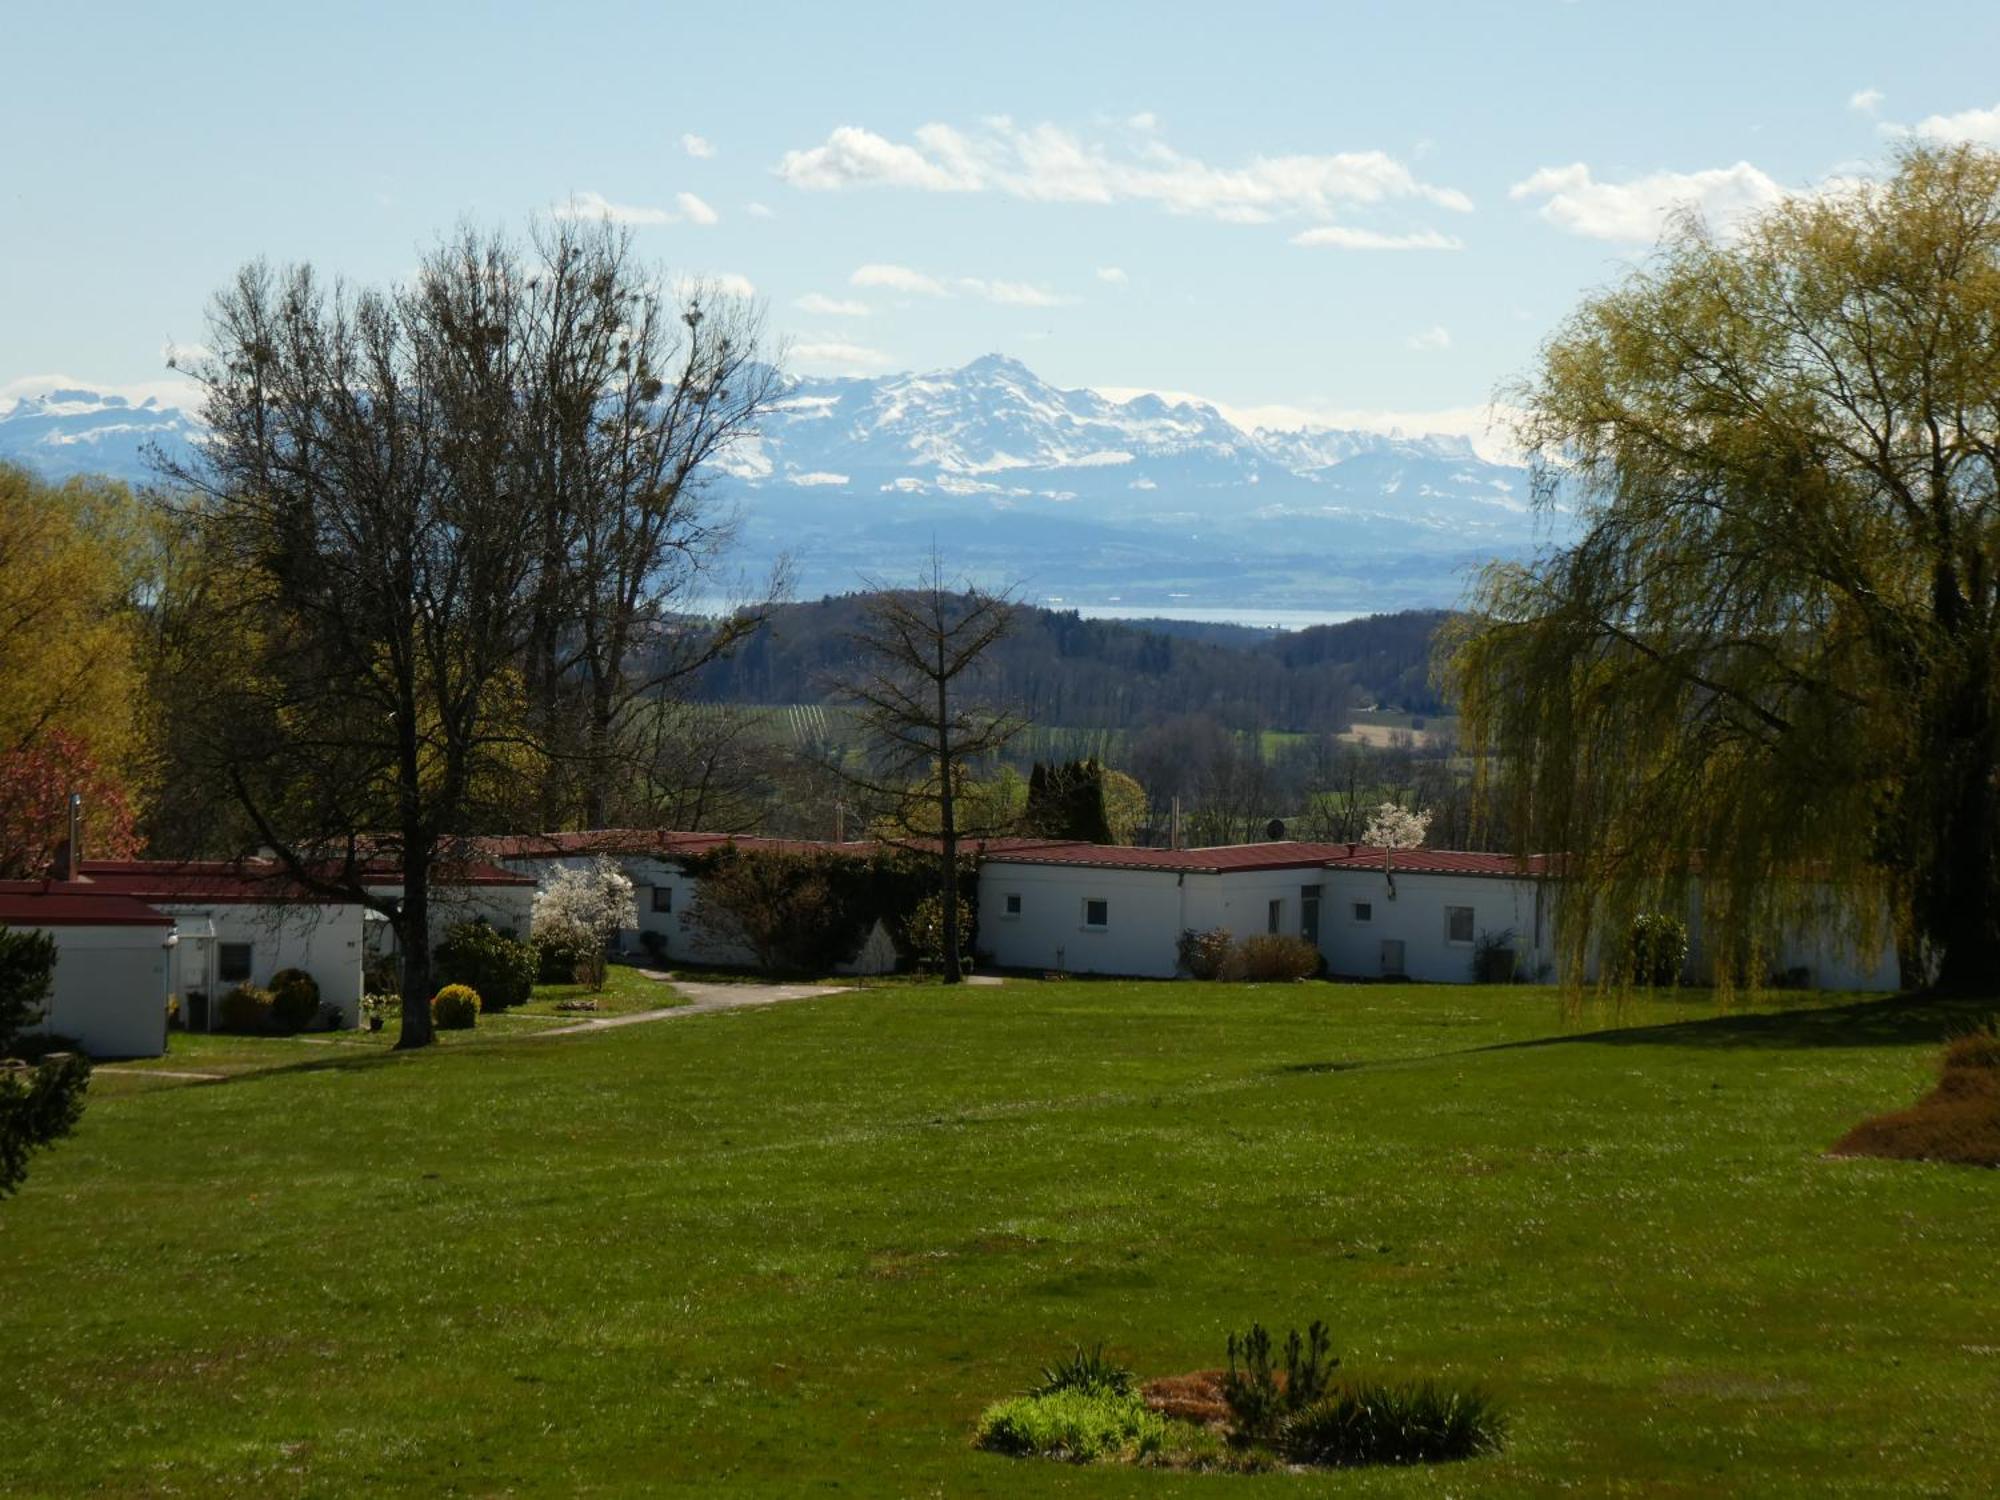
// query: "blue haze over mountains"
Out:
[1126,505]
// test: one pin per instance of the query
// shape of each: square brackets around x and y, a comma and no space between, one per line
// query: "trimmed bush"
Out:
[1374,1423]
[1078,1425]
[1207,955]
[501,969]
[1657,949]
[455,1008]
[246,1008]
[27,974]
[294,1000]
[1272,957]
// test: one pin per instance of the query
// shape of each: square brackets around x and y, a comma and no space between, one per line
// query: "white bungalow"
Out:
[114,960]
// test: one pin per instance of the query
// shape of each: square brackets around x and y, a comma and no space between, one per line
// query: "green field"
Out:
[796,1249]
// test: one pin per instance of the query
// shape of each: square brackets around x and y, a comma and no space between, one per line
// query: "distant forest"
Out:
[1059,669]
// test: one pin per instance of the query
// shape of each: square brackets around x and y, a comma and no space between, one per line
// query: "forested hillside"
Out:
[1057,668]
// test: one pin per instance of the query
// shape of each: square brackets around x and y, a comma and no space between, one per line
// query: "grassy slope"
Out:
[797,1248]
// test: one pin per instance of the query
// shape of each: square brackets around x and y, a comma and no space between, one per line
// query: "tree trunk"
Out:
[413,937]
[947,827]
[1958,893]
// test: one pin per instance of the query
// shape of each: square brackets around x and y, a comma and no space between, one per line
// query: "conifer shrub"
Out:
[1260,1397]
[1957,1122]
[455,1008]
[294,1000]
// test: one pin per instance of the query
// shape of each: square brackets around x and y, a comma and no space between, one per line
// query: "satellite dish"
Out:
[1275,830]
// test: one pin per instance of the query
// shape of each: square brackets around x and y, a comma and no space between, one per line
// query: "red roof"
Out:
[194,880]
[1284,855]
[59,903]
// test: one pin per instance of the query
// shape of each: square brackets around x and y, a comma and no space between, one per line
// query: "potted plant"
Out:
[375,1010]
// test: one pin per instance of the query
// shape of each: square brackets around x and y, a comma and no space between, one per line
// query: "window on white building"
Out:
[663,898]
[1096,912]
[232,962]
[1012,904]
[1458,925]
[1364,911]
[1274,917]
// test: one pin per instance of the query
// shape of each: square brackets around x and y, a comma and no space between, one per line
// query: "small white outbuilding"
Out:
[114,961]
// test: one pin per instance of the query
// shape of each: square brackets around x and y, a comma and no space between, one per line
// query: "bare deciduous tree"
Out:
[923,648]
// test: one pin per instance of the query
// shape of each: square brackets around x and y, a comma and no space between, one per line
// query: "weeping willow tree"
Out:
[1765,670]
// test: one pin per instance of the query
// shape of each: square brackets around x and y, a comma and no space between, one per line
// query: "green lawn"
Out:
[796,1249]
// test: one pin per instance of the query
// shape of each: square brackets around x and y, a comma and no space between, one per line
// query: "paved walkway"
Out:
[703,999]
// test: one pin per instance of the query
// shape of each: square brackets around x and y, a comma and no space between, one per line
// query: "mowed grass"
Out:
[796,1249]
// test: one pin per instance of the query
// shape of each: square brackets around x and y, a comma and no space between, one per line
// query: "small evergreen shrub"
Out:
[294,1000]
[1958,1121]
[1085,1370]
[1374,1423]
[38,1106]
[1074,1424]
[1273,957]
[27,974]
[502,970]
[1258,1396]
[1656,950]
[246,1008]
[455,1008]
[1207,955]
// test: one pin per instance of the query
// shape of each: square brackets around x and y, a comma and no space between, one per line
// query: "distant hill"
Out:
[1062,670]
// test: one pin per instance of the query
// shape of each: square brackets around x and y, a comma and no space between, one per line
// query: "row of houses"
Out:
[133,934]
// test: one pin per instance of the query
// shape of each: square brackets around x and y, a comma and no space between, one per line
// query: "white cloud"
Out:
[1115,275]
[715,284]
[1046,163]
[898,279]
[694,210]
[1638,210]
[1347,237]
[839,355]
[697,146]
[1437,336]
[1145,120]
[853,157]
[1013,293]
[1865,101]
[832,307]
[687,209]
[1978,126]
[759,210]
[922,284]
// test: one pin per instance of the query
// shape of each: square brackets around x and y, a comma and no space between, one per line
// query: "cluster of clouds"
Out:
[1047,163]
[1354,201]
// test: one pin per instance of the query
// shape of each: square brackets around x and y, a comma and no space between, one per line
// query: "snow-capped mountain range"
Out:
[1136,503]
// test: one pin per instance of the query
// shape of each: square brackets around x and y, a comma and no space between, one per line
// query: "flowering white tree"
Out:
[583,909]
[1395,827]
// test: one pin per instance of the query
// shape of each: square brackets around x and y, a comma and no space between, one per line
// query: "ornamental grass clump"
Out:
[1957,1122]
[1368,1422]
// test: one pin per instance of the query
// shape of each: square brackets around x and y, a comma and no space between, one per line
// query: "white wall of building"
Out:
[1365,909]
[324,940]
[110,990]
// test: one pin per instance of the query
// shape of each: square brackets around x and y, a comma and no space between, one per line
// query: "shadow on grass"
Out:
[1900,1020]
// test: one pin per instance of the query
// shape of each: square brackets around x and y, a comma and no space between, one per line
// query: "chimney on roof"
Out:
[69,857]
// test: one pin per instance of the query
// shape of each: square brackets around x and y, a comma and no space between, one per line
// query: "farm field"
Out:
[798,1248]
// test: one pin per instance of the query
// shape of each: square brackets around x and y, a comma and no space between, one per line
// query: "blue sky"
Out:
[1351,211]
